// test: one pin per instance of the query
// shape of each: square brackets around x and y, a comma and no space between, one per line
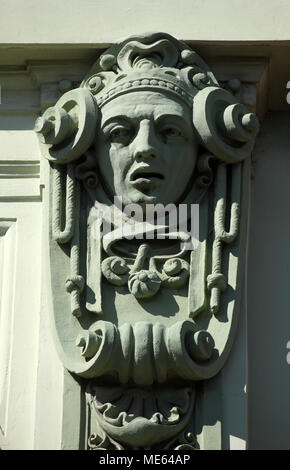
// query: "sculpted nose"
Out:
[145,146]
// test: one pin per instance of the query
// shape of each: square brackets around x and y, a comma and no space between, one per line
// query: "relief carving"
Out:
[141,309]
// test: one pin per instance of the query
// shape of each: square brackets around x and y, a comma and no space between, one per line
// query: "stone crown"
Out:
[155,62]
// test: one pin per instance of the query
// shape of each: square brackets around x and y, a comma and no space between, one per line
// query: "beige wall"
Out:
[102,21]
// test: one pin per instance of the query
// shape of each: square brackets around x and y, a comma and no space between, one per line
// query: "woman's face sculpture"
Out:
[146,147]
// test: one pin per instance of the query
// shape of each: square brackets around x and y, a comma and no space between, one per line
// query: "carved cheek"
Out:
[103,154]
[190,154]
[120,164]
[184,155]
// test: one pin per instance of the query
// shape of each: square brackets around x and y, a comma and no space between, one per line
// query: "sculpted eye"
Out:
[172,134]
[120,135]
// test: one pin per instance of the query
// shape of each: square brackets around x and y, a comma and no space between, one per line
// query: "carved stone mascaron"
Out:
[143,318]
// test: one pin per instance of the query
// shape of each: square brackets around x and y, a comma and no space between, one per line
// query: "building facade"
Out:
[47,50]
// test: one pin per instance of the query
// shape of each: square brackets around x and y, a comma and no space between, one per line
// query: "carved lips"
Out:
[143,176]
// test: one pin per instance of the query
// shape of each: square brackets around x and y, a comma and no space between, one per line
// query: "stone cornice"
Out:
[47,74]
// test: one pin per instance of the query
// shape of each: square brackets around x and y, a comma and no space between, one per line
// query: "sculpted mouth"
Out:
[146,175]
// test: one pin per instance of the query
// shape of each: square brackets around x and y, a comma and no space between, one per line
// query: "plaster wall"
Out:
[20,247]
[76,22]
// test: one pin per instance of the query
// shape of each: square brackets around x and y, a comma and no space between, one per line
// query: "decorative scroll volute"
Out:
[135,313]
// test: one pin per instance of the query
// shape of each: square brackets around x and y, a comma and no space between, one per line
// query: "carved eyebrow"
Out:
[114,119]
[171,118]
[164,117]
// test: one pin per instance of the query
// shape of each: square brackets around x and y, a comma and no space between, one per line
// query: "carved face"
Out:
[146,147]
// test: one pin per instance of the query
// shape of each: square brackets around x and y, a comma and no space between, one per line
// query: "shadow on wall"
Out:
[221,402]
[20,122]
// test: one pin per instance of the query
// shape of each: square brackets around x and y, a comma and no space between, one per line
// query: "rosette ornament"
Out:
[144,284]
